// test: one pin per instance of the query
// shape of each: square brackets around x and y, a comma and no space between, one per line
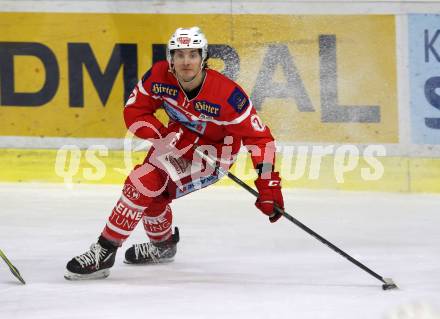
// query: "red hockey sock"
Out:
[123,220]
[157,220]
[133,203]
[126,214]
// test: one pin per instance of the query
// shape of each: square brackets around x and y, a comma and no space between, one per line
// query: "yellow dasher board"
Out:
[313,78]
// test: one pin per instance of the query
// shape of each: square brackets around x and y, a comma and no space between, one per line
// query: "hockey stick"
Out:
[12,268]
[388,283]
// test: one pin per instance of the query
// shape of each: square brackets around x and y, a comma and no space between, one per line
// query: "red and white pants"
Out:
[147,193]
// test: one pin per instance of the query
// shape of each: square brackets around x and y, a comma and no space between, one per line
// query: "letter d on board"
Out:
[8,95]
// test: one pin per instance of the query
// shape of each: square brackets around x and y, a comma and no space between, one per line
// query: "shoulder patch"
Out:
[238,100]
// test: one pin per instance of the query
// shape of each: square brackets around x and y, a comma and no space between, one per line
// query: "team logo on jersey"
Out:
[238,100]
[164,89]
[207,108]
[183,40]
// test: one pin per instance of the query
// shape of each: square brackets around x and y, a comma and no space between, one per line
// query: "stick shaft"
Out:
[295,221]
[310,231]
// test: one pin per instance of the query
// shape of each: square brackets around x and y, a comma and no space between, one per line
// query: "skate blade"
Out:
[100,274]
[162,261]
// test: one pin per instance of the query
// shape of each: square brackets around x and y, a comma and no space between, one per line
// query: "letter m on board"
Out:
[81,54]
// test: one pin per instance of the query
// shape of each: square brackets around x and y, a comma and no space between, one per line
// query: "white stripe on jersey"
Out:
[239,119]
[141,88]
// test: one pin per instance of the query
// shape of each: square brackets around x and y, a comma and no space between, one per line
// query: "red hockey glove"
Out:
[269,190]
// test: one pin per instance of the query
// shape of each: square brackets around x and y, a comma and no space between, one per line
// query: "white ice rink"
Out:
[231,262]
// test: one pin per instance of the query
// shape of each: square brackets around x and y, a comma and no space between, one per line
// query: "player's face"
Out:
[187,63]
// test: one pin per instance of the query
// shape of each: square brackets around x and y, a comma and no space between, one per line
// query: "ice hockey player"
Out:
[207,111]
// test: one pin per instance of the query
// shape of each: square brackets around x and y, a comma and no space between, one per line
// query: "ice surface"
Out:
[231,262]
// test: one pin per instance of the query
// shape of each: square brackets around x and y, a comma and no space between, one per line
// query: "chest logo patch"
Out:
[164,89]
[207,108]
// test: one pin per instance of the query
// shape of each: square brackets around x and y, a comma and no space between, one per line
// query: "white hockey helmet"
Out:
[192,38]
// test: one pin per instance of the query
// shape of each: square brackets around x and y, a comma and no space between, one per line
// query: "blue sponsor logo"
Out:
[164,89]
[238,100]
[207,108]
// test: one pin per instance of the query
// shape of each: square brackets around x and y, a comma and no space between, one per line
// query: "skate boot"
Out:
[153,253]
[94,263]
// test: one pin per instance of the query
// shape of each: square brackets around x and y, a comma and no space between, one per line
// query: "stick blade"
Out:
[16,274]
[389,284]
[12,268]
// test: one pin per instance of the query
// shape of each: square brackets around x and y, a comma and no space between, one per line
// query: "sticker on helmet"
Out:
[183,40]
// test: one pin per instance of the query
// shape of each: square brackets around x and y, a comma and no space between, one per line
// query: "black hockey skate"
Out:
[153,253]
[94,263]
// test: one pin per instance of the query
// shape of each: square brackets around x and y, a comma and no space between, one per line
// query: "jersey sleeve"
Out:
[243,121]
[140,108]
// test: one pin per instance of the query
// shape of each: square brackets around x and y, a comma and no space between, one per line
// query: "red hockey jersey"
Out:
[220,109]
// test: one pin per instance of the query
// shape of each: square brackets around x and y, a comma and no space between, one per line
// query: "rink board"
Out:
[313,78]
[399,174]
[362,47]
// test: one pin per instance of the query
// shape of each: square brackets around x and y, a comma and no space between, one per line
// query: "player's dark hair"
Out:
[205,62]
